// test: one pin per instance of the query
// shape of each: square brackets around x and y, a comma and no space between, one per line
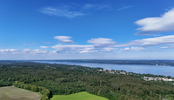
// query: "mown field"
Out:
[13,93]
[78,96]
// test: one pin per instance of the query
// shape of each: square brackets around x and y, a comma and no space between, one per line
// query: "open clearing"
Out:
[13,93]
[78,96]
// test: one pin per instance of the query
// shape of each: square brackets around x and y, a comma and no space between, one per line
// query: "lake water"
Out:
[151,69]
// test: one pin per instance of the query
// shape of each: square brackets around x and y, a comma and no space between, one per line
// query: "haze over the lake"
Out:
[91,29]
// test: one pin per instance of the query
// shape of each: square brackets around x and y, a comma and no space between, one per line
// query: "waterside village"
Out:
[145,77]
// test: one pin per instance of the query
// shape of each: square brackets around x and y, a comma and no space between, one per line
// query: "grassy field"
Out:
[78,96]
[13,93]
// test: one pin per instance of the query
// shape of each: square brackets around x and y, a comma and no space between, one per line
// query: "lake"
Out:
[151,69]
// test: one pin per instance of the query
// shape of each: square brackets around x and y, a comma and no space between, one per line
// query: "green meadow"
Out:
[13,93]
[78,96]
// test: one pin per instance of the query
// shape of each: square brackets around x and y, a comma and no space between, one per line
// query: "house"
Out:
[123,73]
[111,72]
[100,70]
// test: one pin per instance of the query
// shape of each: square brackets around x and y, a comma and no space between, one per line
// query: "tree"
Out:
[169,77]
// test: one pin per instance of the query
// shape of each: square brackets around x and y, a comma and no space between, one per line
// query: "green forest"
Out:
[57,79]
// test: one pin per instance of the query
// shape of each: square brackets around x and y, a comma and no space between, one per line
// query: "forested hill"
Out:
[130,62]
[69,79]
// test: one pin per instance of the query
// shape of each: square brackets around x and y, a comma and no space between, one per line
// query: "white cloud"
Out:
[8,50]
[62,11]
[136,48]
[38,51]
[87,51]
[151,25]
[163,40]
[95,6]
[83,51]
[72,47]
[80,48]
[63,39]
[72,10]
[133,49]
[125,49]
[99,44]
[29,44]
[125,7]
[109,48]
[102,42]
[44,47]
[89,6]
[167,47]
[26,50]
[35,51]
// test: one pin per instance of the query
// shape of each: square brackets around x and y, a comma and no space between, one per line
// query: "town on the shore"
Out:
[146,78]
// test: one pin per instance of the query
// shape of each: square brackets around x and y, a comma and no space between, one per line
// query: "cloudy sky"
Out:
[86,29]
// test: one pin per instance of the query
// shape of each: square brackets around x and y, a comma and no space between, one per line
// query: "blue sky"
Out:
[86,29]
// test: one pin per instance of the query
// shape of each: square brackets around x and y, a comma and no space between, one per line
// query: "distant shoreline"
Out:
[121,62]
